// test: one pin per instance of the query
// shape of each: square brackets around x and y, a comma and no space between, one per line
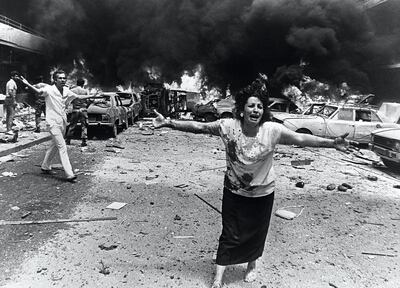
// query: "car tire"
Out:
[304,131]
[391,164]
[210,117]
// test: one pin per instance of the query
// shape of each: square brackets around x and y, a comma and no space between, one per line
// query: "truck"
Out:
[169,102]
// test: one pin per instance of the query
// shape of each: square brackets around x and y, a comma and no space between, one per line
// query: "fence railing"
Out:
[15,24]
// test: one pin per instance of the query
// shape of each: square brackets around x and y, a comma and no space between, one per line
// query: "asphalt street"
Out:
[166,236]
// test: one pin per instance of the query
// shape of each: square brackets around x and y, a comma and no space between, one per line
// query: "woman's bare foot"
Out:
[251,273]
[216,284]
[219,273]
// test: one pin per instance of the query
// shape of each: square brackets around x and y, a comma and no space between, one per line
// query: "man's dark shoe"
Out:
[37,130]
[68,141]
[84,143]
[47,171]
[72,179]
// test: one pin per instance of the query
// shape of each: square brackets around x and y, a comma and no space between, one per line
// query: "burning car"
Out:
[214,109]
[132,104]
[334,120]
[106,111]
[386,144]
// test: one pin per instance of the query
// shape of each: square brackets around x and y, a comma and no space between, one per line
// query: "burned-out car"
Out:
[333,120]
[214,109]
[106,111]
[386,144]
[132,104]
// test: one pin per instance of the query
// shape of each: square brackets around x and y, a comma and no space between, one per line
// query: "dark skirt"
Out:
[245,223]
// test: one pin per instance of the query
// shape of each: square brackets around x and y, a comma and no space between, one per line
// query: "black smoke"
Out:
[234,40]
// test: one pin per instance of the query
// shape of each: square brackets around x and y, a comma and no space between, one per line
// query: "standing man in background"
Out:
[79,113]
[9,102]
[40,103]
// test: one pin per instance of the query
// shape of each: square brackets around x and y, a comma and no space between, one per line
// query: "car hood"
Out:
[225,103]
[388,132]
[287,116]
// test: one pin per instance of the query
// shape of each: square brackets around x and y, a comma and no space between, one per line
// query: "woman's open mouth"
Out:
[254,117]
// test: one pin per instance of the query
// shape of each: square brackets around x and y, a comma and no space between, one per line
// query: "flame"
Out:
[153,72]
[189,83]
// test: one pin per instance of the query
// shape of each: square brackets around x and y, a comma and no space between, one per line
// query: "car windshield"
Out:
[103,101]
[125,96]
[327,110]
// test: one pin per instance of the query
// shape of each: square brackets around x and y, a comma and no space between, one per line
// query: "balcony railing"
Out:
[15,24]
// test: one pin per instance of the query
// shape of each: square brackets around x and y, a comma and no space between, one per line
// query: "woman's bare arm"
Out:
[186,126]
[289,137]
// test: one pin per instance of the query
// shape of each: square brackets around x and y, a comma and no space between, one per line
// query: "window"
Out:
[375,118]
[327,110]
[363,115]
[345,114]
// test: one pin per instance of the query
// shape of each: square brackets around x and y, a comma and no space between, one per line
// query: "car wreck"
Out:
[386,144]
[333,120]
[106,111]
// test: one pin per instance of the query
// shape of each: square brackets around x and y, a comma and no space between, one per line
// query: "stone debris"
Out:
[108,248]
[116,205]
[348,186]
[372,178]
[104,269]
[331,187]
[9,174]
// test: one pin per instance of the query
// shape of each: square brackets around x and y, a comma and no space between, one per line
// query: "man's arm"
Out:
[23,80]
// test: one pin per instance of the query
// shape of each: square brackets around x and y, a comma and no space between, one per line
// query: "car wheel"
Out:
[304,131]
[210,117]
[391,164]
[114,130]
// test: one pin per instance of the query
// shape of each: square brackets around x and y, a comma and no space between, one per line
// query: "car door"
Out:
[341,122]
[366,122]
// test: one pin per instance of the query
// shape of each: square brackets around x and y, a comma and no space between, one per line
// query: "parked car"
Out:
[333,120]
[132,103]
[214,109]
[282,105]
[391,110]
[313,108]
[386,144]
[106,111]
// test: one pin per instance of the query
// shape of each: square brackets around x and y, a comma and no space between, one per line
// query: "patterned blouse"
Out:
[250,170]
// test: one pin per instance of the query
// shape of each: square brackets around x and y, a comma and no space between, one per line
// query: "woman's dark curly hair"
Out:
[256,89]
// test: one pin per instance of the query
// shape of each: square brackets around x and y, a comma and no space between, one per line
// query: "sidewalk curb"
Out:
[24,146]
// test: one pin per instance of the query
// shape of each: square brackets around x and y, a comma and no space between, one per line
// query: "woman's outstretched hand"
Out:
[159,121]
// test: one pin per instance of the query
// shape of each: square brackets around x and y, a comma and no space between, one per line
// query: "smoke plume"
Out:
[233,40]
